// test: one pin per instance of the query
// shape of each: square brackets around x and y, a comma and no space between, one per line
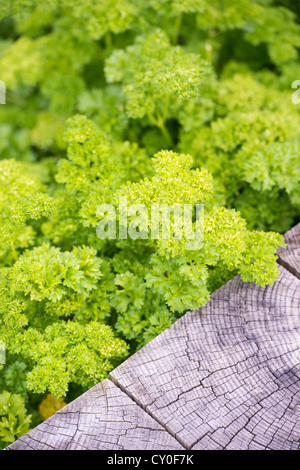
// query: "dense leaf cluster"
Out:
[157,102]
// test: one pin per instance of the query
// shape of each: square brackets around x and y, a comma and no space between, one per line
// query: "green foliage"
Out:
[154,74]
[22,199]
[59,352]
[46,273]
[163,102]
[249,141]
[14,419]
[68,352]
[14,378]
[90,170]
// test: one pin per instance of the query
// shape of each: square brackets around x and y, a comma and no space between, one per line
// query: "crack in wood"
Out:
[288,267]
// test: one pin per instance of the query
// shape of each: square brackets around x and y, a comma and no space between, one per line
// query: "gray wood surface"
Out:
[289,256]
[103,418]
[227,375]
[223,377]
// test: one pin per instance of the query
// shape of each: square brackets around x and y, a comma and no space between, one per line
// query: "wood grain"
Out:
[289,256]
[103,418]
[227,375]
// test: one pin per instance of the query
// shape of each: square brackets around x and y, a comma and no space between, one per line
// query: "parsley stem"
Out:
[152,119]
[161,123]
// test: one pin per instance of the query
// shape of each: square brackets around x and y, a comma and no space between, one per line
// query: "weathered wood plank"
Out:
[226,376]
[289,256]
[103,418]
